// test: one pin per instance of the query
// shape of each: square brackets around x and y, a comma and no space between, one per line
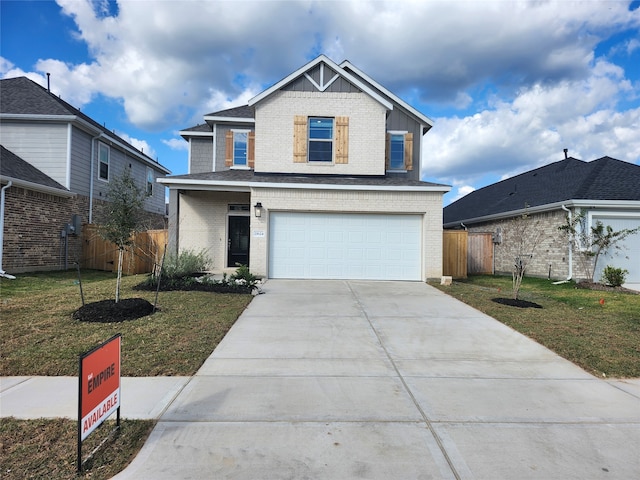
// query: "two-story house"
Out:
[317,177]
[59,163]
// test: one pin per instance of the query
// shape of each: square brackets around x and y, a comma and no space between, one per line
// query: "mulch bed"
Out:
[108,311]
[512,302]
[604,288]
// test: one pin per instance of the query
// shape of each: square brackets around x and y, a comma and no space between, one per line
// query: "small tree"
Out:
[591,243]
[521,236]
[124,218]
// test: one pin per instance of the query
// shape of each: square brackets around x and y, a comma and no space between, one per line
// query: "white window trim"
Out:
[149,183]
[333,141]
[397,170]
[100,145]
[246,165]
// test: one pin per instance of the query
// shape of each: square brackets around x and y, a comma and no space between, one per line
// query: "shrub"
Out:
[613,276]
[243,276]
[185,264]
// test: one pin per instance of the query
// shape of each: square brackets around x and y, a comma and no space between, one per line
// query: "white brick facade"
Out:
[274,132]
[427,204]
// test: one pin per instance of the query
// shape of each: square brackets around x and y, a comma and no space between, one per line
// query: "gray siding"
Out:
[400,121]
[201,154]
[221,142]
[118,161]
[302,84]
[43,145]
[80,162]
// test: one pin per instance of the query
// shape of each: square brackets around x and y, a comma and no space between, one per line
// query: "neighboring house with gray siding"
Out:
[316,177]
[606,190]
[80,156]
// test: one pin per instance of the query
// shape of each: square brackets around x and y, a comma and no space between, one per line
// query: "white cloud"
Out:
[188,58]
[141,145]
[532,130]
[176,144]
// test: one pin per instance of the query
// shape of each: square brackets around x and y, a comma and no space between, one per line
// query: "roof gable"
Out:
[321,72]
[571,179]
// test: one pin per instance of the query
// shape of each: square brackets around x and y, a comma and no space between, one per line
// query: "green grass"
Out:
[40,337]
[603,338]
[47,448]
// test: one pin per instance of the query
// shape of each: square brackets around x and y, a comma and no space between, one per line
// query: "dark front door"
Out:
[238,242]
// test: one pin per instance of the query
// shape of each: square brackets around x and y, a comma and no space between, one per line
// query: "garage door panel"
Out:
[355,246]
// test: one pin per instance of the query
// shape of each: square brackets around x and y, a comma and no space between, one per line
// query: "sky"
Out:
[508,84]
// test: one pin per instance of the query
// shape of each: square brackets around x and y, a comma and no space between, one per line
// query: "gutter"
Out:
[3,274]
[570,246]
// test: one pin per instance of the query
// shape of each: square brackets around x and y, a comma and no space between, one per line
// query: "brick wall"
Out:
[33,226]
[551,256]
[274,132]
[427,204]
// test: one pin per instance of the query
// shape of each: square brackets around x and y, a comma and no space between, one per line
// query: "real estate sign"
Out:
[99,390]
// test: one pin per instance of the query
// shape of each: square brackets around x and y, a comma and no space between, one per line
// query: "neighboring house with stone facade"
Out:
[606,189]
[316,177]
[59,162]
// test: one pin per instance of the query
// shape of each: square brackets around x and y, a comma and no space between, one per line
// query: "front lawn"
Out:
[597,330]
[40,337]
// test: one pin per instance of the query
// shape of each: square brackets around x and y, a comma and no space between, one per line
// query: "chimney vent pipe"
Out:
[566,153]
[48,82]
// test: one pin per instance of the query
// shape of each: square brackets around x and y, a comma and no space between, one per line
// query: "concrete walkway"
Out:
[380,380]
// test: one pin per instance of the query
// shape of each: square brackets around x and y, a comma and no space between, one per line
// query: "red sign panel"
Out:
[99,385]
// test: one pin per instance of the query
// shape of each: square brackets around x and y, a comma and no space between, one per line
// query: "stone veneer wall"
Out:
[33,224]
[550,255]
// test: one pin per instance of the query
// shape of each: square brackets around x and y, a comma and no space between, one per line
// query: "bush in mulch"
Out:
[513,302]
[190,284]
[108,311]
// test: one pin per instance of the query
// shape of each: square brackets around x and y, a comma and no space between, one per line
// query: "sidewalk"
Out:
[377,380]
[57,397]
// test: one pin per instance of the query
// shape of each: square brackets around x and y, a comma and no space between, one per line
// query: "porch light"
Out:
[258,209]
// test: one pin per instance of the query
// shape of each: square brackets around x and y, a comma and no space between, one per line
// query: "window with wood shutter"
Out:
[398,153]
[239,148]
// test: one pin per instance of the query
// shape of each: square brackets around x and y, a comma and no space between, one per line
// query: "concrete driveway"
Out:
[382,380]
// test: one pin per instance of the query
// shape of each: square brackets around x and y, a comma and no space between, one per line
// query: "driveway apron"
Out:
[380,380]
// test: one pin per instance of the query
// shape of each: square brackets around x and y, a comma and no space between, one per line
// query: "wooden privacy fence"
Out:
[145,253]
[466,253]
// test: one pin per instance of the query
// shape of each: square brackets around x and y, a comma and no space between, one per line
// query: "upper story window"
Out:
[150,180]
[320,139]
[103,162]
[396,153]
[399,151]
[240,149]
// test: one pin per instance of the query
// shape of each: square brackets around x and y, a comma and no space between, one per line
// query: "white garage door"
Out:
[345,246]
[628,256]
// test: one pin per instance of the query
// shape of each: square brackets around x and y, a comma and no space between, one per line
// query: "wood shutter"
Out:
[251,149]
[408,151]
[387,152]
[342,140]
[300,139]
[228,149]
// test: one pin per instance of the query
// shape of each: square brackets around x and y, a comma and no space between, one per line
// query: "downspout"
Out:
[570,248]
[93,143]
[2,272]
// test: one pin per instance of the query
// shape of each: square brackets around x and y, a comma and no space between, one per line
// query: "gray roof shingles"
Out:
[245,176]
[13,166]
[23,96]
[571,179]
